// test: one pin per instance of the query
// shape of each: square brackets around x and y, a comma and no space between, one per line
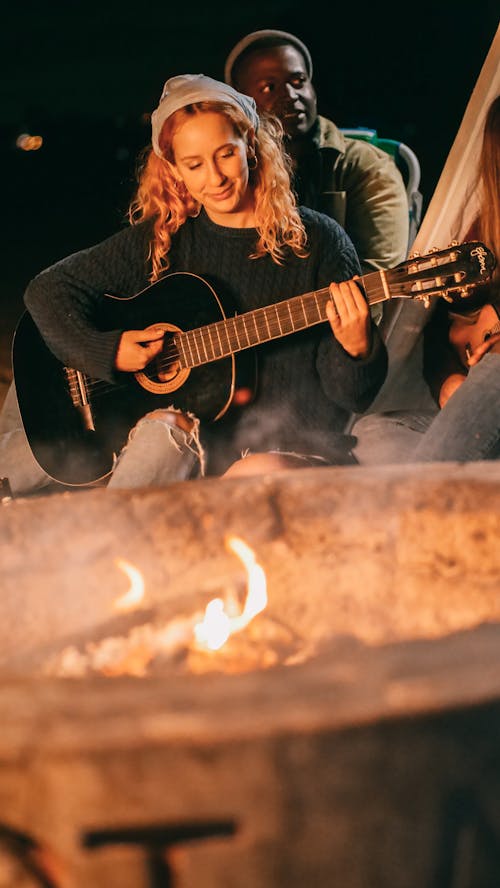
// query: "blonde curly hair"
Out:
[160,197]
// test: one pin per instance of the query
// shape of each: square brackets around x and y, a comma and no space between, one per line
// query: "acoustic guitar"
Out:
[76,425]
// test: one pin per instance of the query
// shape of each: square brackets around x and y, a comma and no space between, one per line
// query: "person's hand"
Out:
[349,317]
[449,387]
[491,344]
[137,348]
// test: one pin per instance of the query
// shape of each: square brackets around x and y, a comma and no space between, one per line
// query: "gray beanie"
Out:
[263,38]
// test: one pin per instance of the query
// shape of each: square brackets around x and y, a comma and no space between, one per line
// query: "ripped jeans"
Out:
[157,452]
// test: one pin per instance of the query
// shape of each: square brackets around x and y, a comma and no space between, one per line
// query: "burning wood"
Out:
[130,654]
[192,641]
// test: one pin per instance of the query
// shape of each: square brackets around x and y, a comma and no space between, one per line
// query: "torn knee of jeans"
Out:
[171,415]
[172,418]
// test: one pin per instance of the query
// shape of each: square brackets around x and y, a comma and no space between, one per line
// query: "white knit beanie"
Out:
[185,89]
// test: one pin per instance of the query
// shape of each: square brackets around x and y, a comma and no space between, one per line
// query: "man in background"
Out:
[349,179]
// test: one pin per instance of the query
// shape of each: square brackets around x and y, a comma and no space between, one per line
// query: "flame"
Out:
[217,625]
[133,652]
[131,599]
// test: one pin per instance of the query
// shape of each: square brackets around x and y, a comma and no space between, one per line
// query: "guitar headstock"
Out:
[454,271]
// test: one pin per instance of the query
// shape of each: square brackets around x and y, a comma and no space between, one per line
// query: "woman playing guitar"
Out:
[214,209]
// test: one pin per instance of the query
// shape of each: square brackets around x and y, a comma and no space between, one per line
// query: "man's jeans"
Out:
[466,429]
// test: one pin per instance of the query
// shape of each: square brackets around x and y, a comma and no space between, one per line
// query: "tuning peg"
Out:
[414,255]
[426,301]
[454,243]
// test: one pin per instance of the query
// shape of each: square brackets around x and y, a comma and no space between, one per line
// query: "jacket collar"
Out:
[325,134]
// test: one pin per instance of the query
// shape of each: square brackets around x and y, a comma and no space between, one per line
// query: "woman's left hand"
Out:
[350,319]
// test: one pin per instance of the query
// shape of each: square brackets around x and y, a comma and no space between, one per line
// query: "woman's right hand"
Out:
[137,348]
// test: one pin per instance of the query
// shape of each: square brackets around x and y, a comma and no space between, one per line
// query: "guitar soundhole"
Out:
[164,374]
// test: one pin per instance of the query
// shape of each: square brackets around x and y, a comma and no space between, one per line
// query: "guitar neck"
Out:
[224,338]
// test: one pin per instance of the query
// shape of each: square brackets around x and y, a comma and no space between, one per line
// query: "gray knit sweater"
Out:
[307,384]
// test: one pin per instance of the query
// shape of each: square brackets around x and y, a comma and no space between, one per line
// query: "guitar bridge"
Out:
[77,387]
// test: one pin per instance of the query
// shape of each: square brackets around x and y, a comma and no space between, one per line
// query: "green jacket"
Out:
[361,187]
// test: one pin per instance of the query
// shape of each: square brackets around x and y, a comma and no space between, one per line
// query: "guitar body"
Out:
[77,445]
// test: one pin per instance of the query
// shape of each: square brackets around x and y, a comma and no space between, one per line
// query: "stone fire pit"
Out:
[348,736]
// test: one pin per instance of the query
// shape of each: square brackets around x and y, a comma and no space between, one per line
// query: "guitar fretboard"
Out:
[224,338]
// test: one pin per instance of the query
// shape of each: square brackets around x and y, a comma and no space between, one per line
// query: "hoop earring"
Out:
[252,161]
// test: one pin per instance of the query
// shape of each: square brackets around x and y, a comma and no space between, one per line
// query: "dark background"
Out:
[86,76]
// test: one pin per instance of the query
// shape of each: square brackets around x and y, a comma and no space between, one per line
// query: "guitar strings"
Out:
[374,290]
[268,325]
